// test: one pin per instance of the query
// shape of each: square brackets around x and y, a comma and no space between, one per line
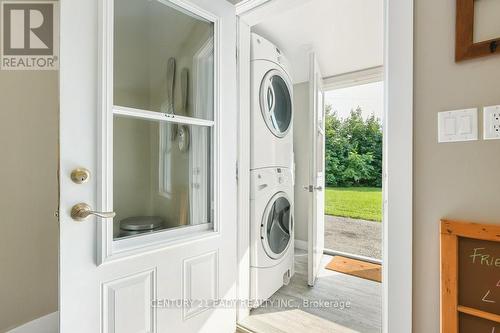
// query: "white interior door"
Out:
[135,255]
[316,232]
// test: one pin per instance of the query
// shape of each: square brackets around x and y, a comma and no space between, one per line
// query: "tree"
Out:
[358,168]
[353,149]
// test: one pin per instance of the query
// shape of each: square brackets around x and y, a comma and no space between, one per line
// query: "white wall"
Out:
[302,148]
[346,35]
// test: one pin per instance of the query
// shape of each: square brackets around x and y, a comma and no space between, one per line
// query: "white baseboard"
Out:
[300,244]
[45,324]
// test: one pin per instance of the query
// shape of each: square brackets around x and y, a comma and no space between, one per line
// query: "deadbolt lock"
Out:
[80,175]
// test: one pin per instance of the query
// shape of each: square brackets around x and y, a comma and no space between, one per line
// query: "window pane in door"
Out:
[162,176]
[163,59]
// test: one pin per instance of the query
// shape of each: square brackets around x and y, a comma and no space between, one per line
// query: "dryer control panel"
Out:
[269,179]
[262,49]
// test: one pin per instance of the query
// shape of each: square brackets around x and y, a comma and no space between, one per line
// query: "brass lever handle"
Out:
[81,211]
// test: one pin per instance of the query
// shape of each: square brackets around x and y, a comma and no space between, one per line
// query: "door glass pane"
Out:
[163,59]
[278,225]
[162,176]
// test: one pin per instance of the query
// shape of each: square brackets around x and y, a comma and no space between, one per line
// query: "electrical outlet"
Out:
[491,120]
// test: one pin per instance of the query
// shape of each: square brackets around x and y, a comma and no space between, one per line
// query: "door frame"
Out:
[398,156]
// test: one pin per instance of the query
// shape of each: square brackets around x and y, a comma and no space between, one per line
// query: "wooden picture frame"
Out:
[465,48]
[451,232]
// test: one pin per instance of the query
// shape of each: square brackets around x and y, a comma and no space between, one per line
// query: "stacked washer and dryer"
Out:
[272,175]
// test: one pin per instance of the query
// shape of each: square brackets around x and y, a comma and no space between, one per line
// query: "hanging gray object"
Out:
[184,90]
[168,105]
[183,136]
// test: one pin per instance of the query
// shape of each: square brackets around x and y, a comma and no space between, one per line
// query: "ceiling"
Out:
[346,35]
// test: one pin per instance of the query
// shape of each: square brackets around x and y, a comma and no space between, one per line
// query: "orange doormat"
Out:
[362,269]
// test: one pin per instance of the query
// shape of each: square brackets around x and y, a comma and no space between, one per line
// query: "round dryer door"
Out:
[276,103]
[276,226]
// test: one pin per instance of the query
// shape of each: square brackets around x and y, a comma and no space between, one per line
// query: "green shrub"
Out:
[353,149]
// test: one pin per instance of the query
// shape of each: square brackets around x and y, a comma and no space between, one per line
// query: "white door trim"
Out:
[398,153]
[398,167]
[246,5]
[243,227]
[356,78]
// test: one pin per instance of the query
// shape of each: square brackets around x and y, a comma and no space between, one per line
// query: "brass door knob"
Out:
[81,211]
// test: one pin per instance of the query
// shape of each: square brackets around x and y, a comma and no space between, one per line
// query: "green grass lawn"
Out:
[355,202]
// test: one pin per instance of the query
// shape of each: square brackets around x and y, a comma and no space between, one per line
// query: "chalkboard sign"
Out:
[470,277]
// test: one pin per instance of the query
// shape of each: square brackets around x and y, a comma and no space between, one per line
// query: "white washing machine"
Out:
[271,107]
[272,232]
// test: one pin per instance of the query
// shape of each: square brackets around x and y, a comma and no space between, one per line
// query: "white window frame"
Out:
[109,249]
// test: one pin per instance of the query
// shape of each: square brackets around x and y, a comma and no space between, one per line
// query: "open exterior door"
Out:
[135,254]
[316,231]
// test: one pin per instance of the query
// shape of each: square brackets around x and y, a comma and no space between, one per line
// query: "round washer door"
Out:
[277,225]
[276,103]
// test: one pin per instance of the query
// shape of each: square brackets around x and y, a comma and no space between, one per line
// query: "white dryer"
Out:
[272,231]
[271,107]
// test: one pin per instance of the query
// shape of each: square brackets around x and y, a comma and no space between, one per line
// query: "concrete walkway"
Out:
[353,236]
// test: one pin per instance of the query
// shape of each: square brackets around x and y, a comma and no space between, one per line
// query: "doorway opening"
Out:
[320,40]
[353,171]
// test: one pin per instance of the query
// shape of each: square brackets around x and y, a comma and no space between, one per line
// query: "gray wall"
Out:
[301,147]
[29,233]
[450,180]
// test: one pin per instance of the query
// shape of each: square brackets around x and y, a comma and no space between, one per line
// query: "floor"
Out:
[353,236]
[353,304]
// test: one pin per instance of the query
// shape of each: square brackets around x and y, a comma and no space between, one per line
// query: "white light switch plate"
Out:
[458,125]
[491,121]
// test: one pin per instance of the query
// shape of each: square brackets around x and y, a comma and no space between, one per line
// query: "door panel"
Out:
[196,289]
[136,283]
[316,232]
[130,297]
